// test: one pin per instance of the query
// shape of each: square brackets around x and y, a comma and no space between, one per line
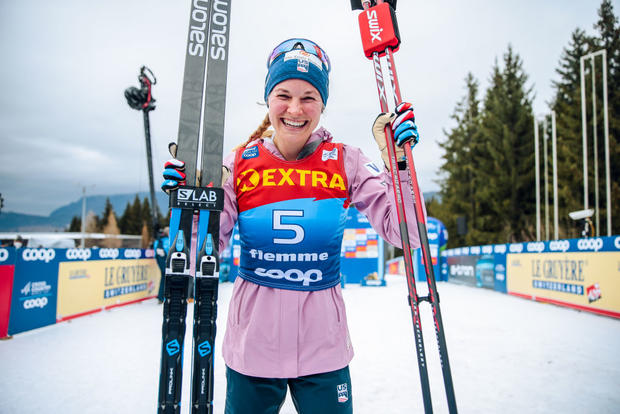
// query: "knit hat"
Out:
[298,64]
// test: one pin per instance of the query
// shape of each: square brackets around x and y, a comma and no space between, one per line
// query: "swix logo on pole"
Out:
[373,26]
[379,30]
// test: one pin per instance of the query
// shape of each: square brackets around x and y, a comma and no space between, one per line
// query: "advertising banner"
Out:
[7,268]
[437,239]
[89,286]
[480,266]
[467,265]
[475,270]
[33,298]
[582,280]
[361,253]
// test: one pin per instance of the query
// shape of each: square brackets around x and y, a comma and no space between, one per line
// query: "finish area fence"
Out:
[578,273]
[40,287]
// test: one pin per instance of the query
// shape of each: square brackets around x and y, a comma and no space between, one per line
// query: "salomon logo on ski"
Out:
[173,347]
[197,30]
[204,349]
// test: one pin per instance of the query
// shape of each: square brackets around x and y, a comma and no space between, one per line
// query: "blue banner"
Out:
[35,285]
[464,262]
[592,244]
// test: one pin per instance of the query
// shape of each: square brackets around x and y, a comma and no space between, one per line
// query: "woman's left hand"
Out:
[404,127]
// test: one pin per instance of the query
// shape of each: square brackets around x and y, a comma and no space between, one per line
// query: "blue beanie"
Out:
[298,64]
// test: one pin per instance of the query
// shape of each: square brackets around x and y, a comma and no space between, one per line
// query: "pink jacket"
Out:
[278,333]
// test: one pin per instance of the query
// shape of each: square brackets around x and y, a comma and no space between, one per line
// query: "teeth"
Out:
[293,123]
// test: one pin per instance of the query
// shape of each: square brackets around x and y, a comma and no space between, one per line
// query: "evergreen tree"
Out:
[123,221]
[504,166]
[567,105]
[105,215]
[131,220]
[76,225]
[458,187]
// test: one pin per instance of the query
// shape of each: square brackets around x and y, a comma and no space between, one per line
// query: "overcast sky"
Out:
[65,124]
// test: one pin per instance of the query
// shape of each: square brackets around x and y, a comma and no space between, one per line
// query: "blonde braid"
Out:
[261,131]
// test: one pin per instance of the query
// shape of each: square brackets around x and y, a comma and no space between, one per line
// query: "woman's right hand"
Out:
[174,174]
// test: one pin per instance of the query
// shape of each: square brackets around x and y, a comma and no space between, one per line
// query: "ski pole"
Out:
[387,15]
[406,245]
[433,297]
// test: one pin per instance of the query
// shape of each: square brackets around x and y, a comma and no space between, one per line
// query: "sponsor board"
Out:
[33,297]
[85,287]
[585,280]
[361,251]
[472,270]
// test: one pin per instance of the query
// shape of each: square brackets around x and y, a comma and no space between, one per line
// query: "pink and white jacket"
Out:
[281,333]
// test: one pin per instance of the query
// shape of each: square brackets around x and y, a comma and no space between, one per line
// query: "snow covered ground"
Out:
[508,355]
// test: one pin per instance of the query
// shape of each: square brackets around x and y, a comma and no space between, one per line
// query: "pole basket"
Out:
[379,30]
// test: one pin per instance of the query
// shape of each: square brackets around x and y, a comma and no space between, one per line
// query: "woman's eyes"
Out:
[305,98]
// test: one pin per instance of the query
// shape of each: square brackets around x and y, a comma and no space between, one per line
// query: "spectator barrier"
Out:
[578,273]
[39,287]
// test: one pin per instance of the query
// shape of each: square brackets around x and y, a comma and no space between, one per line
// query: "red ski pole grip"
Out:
[379,30]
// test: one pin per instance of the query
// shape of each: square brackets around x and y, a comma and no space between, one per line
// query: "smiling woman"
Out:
[288,190]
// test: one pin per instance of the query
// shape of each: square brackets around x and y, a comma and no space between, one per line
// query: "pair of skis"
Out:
[203,104]
[380,37]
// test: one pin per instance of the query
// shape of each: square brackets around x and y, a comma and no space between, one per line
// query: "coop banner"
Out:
[583,280]
[86,286]
[33,296]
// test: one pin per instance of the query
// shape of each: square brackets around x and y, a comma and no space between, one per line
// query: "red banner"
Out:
[6,287]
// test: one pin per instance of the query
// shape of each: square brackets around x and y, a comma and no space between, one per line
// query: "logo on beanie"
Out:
[303,65]
[303,59]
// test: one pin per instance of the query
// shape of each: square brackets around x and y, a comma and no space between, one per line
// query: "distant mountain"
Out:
[60,218]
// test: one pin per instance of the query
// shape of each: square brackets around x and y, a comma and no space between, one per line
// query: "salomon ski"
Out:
[207,262]
[207,41]
[380,37]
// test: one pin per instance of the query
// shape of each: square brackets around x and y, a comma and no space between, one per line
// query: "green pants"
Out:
[326,393]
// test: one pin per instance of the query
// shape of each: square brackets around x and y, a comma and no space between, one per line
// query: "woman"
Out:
[289,189]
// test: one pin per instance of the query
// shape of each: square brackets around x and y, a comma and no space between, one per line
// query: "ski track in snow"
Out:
[507,355]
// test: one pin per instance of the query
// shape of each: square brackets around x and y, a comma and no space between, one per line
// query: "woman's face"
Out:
[295,108]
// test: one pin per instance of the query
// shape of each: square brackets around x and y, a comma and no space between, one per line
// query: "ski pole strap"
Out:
[357,4]
[379,29]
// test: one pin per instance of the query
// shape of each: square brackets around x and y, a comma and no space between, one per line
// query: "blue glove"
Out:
[174,174]
[404,127]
